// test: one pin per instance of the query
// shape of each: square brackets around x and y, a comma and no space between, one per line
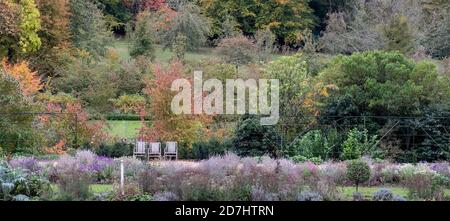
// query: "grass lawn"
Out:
[101,188]
[163,56]
[95,188]
[123,129]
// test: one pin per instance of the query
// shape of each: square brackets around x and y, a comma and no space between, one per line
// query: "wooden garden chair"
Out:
[155,150]
[140,149]
[171,150]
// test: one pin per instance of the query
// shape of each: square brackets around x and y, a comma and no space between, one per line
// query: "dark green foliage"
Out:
[253,139]
[88,27]
[143,37]
[378,84]
[116,150]
[212,147]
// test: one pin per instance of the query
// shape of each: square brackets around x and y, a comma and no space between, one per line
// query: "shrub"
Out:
[212,147]
[383,195]
[143,37]
[27,163]
[130,104]
[116,150]
[358,143]
[311,145]
[424,184]
[16,181]
[238,50]
[358,172]
[73,185]
[253,139]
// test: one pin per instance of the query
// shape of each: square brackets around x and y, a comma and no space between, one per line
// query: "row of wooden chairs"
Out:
[153,150]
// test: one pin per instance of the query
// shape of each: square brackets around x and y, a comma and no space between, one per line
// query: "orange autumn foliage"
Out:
[165,124]
[30,82]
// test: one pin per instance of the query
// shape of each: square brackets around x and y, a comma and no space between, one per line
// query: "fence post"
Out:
[122,181]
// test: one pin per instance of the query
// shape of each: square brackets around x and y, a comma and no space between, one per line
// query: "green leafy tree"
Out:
[16,128]
[143,37]
[180,47]
[384,84]
[253,139]
[88,27]
[357,144]
[358,172]
[398,36]
[187,21]
[311,145]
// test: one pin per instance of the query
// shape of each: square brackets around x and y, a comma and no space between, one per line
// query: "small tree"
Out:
[398,35]
[237,50]
[89,28]
[265,41]
[357,144]
[180,46]
[358,172]
[143,37]
[253,139]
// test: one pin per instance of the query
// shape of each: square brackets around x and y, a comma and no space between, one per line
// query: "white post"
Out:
[122,178]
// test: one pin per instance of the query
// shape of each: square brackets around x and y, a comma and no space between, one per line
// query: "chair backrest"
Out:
[140,147]
[155,147]
[171,147]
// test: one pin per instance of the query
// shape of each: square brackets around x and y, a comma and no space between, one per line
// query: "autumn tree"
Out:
[29,81]
[286,19]
[19,26]
[165,125]
[55,36]
[18,85]
[237,50]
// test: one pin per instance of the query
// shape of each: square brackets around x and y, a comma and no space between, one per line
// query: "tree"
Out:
[286,19]
[357,144]
[19,26]
[362,26]
[55,36]
[252,139]
[358,172]
[118,13]
[187,20]
[398,36]
[166,125]
[265,41]
[371,78]
[237,50]
[88,27]
[180,46]
[384,84]
[143,37]
[29,82]
[16,128]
